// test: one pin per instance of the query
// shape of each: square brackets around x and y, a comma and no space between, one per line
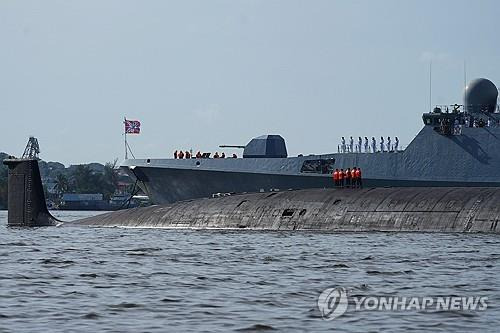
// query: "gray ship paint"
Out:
[376,209]
[434,158]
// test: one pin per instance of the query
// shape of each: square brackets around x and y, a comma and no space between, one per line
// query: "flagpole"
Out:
[125,134]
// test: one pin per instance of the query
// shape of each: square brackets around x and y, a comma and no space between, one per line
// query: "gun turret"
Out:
[232,146]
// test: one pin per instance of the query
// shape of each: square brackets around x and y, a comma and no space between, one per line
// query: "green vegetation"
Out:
[62,184]
[84,180]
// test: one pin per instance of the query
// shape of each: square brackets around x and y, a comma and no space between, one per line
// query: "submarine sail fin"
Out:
[27,207]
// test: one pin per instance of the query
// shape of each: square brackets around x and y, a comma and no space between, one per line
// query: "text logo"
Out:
[332,303]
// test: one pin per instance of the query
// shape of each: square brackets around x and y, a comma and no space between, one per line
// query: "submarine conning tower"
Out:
[480,95]
[26,206]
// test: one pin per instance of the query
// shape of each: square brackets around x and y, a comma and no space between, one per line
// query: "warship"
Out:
[459,145]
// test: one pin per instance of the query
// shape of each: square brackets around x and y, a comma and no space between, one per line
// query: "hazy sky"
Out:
[202,73]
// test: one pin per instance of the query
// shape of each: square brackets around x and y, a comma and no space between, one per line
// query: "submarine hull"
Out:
[407,209]
[375,209]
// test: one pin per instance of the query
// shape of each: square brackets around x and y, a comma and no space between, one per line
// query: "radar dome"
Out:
[480,95]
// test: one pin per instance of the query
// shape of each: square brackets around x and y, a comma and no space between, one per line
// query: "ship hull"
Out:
[172,185]
[468,160]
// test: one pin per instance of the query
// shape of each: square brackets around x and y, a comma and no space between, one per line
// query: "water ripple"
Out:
[117,280]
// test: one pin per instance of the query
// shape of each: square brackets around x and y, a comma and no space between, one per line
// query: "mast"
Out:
[465,75]
[430,86]
[32,149]
[125,135]
[465,85]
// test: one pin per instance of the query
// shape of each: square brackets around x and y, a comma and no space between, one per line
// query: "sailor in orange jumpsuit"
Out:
[341,177]
[358,177]
[354,179]
[336,177]
[348,177]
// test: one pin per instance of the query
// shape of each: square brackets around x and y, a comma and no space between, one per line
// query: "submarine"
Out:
[457,146]
[387,209]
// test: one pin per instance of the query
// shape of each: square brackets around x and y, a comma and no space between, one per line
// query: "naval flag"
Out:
[132,126]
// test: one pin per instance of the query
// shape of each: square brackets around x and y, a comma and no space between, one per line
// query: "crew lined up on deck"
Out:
[179,154]
[385,146]
[348,178]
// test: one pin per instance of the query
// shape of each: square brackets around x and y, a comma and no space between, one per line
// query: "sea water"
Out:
[80,279]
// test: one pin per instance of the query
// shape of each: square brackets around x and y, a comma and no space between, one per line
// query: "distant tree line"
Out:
[82,179]
[85,178]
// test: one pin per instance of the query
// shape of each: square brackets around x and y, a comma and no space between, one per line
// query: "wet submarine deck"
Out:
[403,209]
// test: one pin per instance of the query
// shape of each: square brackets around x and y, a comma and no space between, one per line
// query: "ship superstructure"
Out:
[459,145]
